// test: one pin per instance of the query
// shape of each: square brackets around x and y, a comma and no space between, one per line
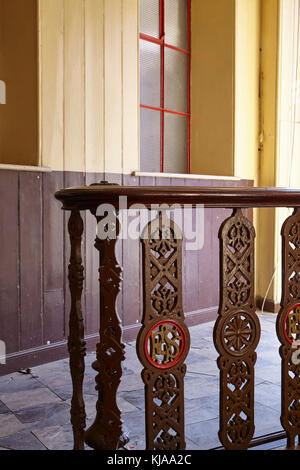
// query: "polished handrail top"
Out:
[89,197]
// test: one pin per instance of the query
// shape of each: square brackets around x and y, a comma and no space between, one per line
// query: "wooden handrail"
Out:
[89,197]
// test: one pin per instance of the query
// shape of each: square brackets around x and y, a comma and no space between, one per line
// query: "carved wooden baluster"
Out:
[163,341]
[288,327]
[106,431]
[237,332]
[76,343]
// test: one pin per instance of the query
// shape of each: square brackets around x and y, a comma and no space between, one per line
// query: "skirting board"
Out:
[268,306]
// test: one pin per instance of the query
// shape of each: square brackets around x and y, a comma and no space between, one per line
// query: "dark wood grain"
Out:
[9,256]
[31,297]
[53,260]
[131,308]
[230,197]
[91,266]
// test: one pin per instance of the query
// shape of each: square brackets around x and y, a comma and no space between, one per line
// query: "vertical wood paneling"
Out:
[131,308]
[130,61]
[113,86]
[31,300]
[52,83]
[89,85]
[74,85]
[9,253]
[91,267]
[53,259]
[94,85]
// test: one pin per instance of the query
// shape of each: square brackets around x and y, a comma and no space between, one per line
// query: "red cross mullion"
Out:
[162,84]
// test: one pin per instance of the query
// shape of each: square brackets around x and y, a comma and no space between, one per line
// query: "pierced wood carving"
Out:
[163,341]
[76,343]
[106,431]
[288,327]
[236,332]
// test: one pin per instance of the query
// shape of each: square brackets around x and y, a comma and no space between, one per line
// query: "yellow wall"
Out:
[89,98]
[267,165]
[18,69]
[212,87]
[247,64]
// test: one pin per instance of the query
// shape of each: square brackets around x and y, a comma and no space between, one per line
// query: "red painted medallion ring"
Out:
[291,323]
[165,344]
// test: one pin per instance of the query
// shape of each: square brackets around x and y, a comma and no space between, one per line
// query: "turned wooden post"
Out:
[76,343]
[237,332]
[106,432]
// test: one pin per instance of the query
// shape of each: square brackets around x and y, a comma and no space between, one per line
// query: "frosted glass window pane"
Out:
[176,23]
[150,140]
[175,80]
[149,17]
[175,158]
[149,73]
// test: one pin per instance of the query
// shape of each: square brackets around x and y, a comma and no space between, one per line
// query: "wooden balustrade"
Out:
[163,341]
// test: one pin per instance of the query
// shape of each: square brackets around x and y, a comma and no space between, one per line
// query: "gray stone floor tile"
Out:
[3,408]
[197,411]
[26,399]
[131,382]
[90,405]
[17,382]
[55,437]
[9,424]
[206,353]
[271,373]
[45,415]
[199,387]
[65,391]
[23,440]
[134,422]
[135,397]
[204,434]
[194,355]
[267,420]
[268,394]
[204,367]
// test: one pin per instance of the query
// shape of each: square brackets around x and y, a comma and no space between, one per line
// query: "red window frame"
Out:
[162,109]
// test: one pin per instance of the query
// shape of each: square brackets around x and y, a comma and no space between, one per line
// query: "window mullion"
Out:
[162,84]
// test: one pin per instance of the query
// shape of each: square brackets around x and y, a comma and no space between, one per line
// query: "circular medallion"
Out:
[291,324]
[238,333]
[165,344]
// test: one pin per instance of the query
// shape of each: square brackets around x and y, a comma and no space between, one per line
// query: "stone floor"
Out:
[35,408]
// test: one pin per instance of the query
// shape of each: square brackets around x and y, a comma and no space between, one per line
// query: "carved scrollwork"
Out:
[288,327]
[163,341]
[237,332]
[106,432]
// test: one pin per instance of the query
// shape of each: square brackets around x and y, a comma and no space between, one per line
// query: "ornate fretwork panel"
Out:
[288,327]
[106,431]
[76,343]
[163,341]
[236,332]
